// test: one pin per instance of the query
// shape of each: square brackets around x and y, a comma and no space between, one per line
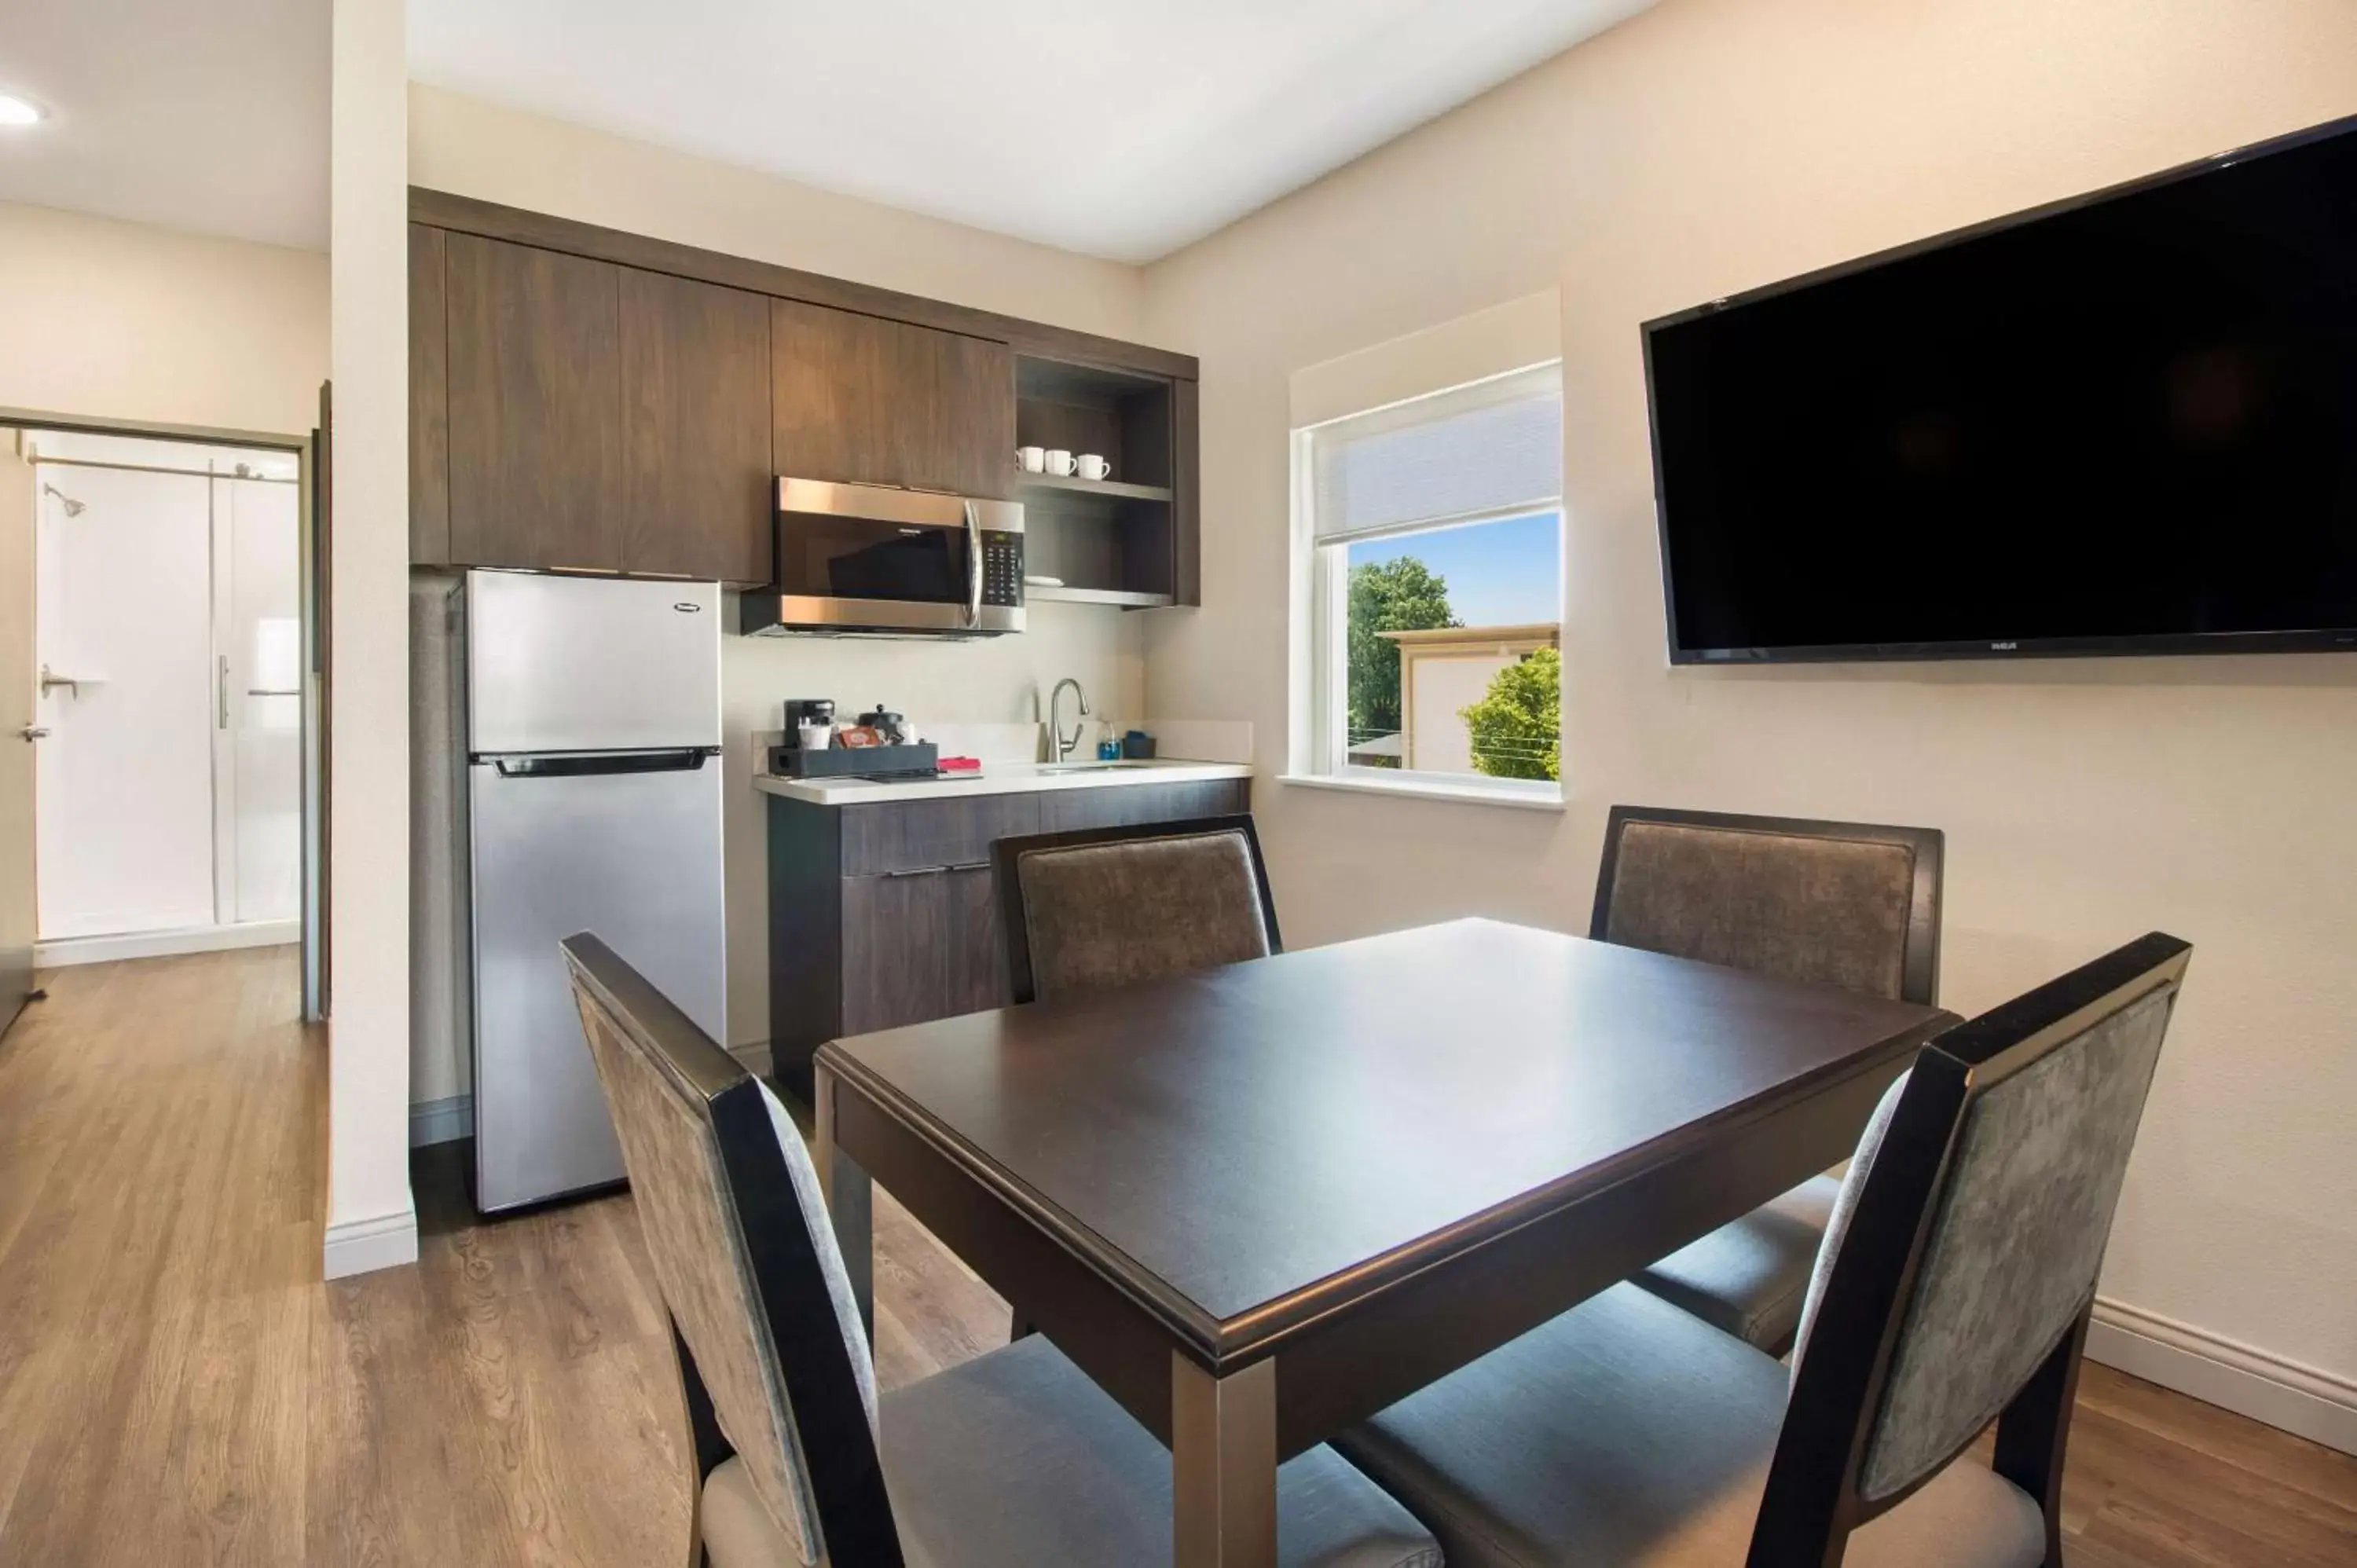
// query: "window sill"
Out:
[1535,797]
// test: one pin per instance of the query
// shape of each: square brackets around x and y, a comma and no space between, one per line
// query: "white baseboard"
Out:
[364,1246]
[2306,1400]
[441,1120]
[166,943]
[447,1120]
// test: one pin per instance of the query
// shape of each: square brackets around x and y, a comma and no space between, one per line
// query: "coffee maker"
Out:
[800,711]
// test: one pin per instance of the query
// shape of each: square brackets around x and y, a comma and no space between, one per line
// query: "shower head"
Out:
[73,508]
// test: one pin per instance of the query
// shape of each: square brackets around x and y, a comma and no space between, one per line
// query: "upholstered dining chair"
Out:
[1847,904]
[1012,1460]
[1952,1290]
[1107,906]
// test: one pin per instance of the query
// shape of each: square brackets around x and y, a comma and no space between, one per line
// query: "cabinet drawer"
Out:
[918,835]
[1068,811]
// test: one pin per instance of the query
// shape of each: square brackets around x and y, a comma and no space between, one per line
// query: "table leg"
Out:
[1223,1464]
[849,1202]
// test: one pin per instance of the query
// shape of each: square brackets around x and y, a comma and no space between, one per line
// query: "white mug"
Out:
[815,736]
[1093,467]
[1031,460]
[1060,463]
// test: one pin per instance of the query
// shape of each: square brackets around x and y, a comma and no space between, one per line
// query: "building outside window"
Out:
[1437,587]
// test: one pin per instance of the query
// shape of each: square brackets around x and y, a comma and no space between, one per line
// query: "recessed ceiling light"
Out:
[19,110]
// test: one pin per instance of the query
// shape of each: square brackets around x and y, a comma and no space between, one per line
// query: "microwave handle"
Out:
[973,565]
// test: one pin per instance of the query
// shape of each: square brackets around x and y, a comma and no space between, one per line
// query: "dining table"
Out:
[1260,1203]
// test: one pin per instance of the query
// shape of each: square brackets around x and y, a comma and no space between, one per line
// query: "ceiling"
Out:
[209,117]
[1124,130]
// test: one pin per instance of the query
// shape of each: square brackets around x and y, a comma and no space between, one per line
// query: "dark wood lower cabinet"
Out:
[895,950]
[888,915]
[1135,804]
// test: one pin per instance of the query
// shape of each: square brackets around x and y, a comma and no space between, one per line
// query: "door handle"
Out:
[973,565]
[34,732]
[220,686]
[274,691]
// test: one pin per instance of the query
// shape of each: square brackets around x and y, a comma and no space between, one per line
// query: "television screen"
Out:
[2126,423]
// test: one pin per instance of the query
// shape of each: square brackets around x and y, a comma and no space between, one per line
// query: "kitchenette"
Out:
[864,495]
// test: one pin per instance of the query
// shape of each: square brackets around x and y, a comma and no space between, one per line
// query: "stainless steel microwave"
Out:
[867,559]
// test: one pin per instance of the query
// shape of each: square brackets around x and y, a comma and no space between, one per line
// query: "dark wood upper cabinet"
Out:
[695,421]
[971,444]
[429,400]
[586,399]
[860,400]
[536,406]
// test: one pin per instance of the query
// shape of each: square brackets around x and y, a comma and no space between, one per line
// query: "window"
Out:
[1434,534]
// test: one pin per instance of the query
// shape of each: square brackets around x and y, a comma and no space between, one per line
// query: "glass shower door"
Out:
[258,700]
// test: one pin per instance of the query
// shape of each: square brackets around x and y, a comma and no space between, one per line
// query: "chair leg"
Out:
[708,1447]
[2035,1430]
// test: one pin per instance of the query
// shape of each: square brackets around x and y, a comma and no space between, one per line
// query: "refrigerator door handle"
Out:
[685,760]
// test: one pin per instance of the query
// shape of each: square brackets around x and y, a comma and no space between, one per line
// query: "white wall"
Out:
[494,154]
[113,321]
[370,1222]
[471,148]
[1704,147]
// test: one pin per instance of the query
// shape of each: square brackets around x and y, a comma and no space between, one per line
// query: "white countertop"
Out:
[998,779]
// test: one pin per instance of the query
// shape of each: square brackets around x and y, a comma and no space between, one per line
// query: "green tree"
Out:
[1400,595]
[1517,727]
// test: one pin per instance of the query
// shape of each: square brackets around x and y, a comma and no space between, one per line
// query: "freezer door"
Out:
[590,663]
[562,845]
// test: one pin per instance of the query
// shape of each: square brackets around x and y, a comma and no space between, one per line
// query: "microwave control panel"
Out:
[1002,568]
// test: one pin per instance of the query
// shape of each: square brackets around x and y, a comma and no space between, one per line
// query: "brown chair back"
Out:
[1847,904]
[1960,1268]
[773,1361]
[1111,907]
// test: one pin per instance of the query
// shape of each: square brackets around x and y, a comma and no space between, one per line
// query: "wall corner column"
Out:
[371,1220]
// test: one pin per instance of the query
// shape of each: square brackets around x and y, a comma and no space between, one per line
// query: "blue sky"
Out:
[1500,574]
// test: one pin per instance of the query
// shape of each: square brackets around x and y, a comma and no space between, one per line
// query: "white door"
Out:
[125,775]
[258,700]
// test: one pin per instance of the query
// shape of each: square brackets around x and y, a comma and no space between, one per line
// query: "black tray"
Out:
[922,760]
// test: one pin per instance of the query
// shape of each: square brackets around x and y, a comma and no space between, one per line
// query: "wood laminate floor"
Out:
[178,1387]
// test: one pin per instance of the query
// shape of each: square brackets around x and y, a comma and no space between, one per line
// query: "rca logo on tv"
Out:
[2004,647]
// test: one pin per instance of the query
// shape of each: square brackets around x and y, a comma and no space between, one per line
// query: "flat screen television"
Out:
[2124,423]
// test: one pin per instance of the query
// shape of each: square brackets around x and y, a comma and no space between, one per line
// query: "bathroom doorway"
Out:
[172,692]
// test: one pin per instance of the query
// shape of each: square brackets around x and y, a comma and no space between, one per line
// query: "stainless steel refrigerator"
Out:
[593,792]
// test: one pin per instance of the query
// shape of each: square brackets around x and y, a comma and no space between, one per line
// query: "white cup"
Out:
[814,737]
[1060,463]
[1032,458]
[1093,467]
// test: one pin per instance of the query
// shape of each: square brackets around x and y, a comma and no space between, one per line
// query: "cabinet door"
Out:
[1068,811]
[536,406]
[695,421]
[895,962]
[430,401]
[977,943]
[860,400]
[970,449]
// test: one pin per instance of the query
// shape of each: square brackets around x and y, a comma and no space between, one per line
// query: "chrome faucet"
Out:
[1059,748]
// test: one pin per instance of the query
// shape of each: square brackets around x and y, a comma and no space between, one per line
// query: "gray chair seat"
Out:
[1017,1460]
[1626,1431]
[1749,1279]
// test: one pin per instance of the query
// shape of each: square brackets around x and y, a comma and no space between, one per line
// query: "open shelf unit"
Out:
[1113,541]
[1072,596]
[1109,490]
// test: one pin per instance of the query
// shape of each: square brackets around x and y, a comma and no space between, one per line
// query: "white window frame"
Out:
[1320,754]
